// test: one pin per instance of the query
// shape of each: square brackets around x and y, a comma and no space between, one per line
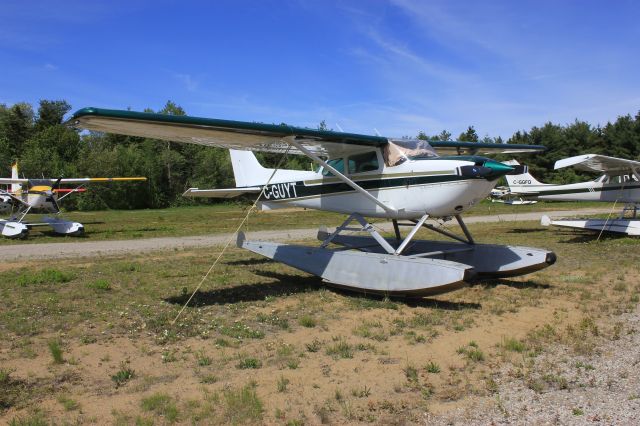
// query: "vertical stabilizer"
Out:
[519,183]
[247,170]
[14,175]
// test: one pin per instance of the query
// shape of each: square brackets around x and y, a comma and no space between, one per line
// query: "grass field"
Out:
[92,340]
[182,221]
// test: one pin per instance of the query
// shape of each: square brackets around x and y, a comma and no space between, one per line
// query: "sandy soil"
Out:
[461,391]
[85,376]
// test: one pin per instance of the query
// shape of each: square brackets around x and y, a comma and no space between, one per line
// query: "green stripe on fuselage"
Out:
[583,190]
[293,190]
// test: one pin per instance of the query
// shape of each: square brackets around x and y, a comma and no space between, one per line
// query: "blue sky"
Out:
[398,66]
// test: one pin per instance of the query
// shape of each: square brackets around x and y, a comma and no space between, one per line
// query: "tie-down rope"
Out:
[244,220]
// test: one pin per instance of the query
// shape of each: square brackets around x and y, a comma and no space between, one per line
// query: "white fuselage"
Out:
[602,189]
[413,188]
[41,202]
[40,199]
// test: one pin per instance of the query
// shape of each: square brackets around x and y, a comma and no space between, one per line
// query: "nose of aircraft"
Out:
[485,168]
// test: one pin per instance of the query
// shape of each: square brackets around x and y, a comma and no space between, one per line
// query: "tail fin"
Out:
[247,170]
[14,175]
[519,183]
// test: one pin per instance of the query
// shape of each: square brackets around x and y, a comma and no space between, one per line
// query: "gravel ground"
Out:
[110,248]
[603,388]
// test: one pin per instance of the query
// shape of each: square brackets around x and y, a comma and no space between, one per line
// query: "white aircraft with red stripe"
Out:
[41,196]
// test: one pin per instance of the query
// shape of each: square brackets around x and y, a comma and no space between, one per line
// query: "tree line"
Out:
[44,147]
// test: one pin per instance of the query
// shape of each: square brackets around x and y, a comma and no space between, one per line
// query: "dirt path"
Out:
[110,248]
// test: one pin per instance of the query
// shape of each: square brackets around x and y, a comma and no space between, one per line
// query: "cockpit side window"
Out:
[336,163]
[361,163]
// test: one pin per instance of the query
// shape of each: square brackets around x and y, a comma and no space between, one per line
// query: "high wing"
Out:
[221,133]
[481,148]
[101,179]
[254,136]
[600,164]
[9,181]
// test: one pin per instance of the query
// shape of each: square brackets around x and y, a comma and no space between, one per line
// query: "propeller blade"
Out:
[56,185]
[54,202]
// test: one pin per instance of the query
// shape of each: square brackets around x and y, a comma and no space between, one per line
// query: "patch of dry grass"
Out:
[295,338]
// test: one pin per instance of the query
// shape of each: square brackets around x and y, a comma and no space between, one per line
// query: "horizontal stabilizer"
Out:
[221,193]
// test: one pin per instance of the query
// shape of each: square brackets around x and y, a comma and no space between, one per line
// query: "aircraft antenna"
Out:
[339,128]
[377,132]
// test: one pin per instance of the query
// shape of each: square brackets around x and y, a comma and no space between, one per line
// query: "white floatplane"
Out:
[619,182]
[362,176]
[41,196]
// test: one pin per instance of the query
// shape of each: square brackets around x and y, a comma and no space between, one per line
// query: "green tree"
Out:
[469,135]
[52,152]
[51,113]
[16,126]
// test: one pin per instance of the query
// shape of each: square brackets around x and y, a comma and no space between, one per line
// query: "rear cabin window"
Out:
[336,163]
[361,163]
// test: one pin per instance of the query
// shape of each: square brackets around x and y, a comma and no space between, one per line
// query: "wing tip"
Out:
[85,111]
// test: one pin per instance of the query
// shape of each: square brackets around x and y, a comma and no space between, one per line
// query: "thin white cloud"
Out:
[189,82]
[402,53]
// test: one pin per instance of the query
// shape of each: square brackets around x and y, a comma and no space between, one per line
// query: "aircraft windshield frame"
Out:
[397,151]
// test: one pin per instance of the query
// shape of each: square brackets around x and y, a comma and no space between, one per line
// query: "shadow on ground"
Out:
[50,233]
[438,304]
[512,284]
[287,284]
[525,230]
[250,262]
[284,286]
[586,236]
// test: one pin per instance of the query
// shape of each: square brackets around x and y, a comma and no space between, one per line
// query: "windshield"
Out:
[397,151]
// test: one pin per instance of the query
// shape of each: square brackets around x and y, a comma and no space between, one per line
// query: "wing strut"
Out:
[390,210]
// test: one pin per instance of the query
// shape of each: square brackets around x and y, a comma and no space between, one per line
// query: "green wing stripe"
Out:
[239,133]
[474,147]
[584,190]
[274,130]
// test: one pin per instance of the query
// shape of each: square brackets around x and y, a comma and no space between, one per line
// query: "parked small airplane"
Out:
[619,182]
[41,196]
[502,194]
[362,176]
